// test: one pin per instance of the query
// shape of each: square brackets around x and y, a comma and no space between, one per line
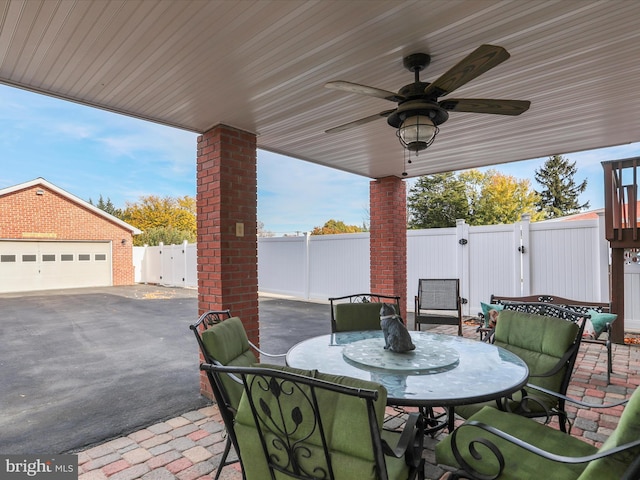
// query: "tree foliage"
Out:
[262,232]
[335,226]
[504,199]
[560,193]
[107,206]
[478,198]
[166,235]
[437,201]
[164,219]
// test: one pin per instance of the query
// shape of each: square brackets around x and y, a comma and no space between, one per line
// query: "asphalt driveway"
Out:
[81,366]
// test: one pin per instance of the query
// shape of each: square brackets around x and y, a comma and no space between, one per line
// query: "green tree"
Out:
[560,193]
[335,226]
[478,198]
[107,206]
[167,219]
[167,235]
[437,201]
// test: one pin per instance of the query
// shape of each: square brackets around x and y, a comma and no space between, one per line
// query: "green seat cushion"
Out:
[535,408]
[519,464]
[344,420]
[541,342]
[628,430]
[357,316]
[227,342]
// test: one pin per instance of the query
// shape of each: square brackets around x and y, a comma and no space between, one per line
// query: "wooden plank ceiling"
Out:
[261,66]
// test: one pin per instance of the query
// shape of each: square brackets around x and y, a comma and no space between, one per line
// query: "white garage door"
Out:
[28,265]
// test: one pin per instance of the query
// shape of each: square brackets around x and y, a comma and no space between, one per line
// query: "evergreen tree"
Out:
[560,194]
[107,206]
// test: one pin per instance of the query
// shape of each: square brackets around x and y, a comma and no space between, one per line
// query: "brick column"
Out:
[388,238]
[227,227]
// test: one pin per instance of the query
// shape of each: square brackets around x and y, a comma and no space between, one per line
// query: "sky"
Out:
[90,152]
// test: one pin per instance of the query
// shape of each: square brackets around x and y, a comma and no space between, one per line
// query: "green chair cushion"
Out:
[519,464]
[357,316]
[227,342]
[346,425]
[523,464]
[539,340]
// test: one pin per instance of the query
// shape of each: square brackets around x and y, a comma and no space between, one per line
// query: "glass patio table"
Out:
[443,370]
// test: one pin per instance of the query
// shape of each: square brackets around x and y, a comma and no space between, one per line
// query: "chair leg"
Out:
[563,421]
[223,461]
[609,362]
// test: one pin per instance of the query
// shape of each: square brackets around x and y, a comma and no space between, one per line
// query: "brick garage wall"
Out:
[51,216]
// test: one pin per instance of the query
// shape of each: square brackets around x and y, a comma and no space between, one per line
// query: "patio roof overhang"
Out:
[261,66]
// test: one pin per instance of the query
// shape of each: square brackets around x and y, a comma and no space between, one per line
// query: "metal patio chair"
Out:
[438,303]
[359,311]
[307,425]
[223,340]
[493,445]
[548,341]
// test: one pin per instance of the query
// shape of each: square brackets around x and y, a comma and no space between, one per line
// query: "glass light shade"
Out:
[417,133]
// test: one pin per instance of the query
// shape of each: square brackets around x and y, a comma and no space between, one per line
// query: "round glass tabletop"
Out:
[442,370]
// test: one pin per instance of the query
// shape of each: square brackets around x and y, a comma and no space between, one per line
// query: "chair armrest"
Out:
[493,448]
[607,330]
[486,333]
[266,354]
[576,401]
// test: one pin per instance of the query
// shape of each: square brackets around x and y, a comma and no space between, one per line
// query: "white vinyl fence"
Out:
[568,259]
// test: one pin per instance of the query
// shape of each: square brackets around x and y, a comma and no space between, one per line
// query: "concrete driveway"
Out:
[81,366]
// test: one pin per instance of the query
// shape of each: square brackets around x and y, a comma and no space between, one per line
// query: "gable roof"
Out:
[72,198]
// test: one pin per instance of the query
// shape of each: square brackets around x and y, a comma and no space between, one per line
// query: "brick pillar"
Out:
[388,238]
[227,227]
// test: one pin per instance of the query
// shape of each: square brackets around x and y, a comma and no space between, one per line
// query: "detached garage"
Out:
[51,239]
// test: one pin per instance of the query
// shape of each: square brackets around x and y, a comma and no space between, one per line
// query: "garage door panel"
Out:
[32,265]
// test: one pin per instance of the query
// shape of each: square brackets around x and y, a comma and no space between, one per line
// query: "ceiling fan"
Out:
[419,110]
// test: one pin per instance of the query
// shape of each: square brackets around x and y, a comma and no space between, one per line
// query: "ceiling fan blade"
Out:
[483,105]
[364,90]
[362,121]
[483,58]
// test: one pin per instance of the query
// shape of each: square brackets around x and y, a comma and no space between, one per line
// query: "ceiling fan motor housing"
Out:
[411,108]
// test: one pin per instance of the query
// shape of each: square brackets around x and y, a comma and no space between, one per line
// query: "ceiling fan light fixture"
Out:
[417,132]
